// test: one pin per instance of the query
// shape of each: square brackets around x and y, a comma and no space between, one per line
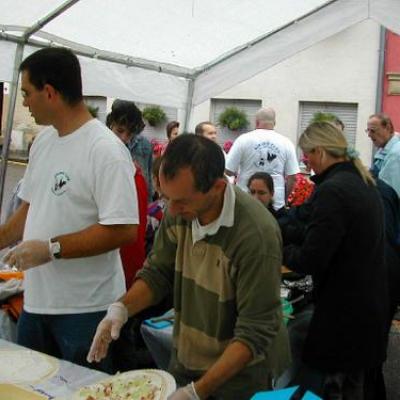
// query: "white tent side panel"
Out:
[278,47]
[7,55]
[103,78]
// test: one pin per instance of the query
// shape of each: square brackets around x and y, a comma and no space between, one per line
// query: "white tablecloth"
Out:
[65,381]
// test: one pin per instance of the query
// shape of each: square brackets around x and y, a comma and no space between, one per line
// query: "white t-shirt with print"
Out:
[263,150]
[71,183]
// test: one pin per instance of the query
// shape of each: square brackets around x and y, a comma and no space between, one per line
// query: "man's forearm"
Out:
[95,240]
[13,230]
[138,297]
[235,357]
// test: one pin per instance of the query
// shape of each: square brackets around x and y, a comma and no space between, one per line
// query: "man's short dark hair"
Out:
[200,127]
[202,155]
[127,114]
[170,126]
[57,67]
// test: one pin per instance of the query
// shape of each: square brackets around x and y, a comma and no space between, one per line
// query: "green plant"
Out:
[233,118]
[154,115]
[94,111]
[320,116]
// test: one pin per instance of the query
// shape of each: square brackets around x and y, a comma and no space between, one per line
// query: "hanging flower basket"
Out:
[234,119]
[154,115]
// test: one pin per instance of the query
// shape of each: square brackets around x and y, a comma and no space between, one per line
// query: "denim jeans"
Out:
[65,336]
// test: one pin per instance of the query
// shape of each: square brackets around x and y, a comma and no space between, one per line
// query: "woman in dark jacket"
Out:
[343,250]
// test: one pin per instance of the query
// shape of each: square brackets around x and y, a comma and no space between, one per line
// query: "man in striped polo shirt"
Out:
[219,252]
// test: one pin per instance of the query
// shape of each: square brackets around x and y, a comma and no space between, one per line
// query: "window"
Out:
[219,105]
[158,132]
[347,112]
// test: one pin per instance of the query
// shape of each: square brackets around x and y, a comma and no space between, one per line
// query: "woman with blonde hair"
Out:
[343,250]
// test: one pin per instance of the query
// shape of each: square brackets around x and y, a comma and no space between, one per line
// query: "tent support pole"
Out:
[189,105]
[48,18]
[10,114]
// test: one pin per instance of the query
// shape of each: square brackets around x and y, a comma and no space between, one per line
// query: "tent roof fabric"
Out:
[180,32]
[163,51]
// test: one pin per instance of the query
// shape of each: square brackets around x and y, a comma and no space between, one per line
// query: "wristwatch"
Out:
[55,248]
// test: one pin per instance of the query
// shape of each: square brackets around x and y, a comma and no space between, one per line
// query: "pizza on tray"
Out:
[131,385]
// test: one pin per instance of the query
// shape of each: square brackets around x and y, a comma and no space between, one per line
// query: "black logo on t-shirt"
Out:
[61,180]
[265,155]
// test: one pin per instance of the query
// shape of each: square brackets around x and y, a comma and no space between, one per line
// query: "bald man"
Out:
[264,150]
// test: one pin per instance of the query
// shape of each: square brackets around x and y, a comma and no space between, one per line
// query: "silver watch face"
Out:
[55,248]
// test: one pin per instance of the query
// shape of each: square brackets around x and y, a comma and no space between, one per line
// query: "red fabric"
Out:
[13,305]
[302,190]
[133,254]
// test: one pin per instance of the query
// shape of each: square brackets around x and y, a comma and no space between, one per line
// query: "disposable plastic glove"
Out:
[28,254]
[186,393]
[108,329]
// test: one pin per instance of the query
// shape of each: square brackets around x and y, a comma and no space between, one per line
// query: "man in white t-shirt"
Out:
[79,206]
[264,150]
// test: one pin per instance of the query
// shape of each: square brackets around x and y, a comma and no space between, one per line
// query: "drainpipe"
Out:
[380,79]
[381,70]
[189,105]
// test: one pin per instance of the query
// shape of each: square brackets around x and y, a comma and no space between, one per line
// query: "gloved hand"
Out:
[28,254]
[108,329]
[186,393]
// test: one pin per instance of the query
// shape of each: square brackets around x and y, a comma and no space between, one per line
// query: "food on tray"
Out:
[132,385]
[25,366]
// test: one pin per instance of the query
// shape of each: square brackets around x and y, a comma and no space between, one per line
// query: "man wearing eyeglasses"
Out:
[387,158]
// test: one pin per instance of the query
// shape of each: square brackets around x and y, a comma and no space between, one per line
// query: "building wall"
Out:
[22,116]
[24,126]
[342,68]
[391,80]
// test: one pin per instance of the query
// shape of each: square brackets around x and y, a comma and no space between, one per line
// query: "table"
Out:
[65,381]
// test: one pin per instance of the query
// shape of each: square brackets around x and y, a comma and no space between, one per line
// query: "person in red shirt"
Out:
[123,121]
[133,254]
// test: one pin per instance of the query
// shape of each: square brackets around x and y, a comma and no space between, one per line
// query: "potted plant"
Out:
[233,118]
[154,115]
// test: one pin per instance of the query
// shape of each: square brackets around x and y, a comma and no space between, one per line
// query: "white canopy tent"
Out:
[175,53]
